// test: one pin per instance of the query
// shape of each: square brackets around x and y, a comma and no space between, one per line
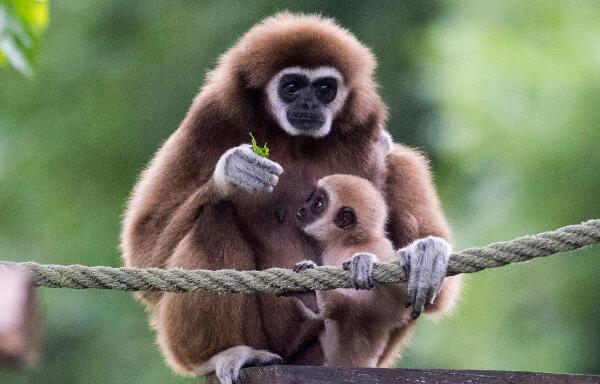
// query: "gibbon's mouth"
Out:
[306,121]
[306,124]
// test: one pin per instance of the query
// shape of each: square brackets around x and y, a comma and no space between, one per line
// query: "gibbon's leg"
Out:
[195,327]
[228,363]
[418,226]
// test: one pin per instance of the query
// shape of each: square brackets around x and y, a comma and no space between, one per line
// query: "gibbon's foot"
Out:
[241,167]
[227,364]
[304,264]
[425,262]
[361,270]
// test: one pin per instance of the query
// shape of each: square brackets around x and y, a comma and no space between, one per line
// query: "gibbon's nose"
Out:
[310,103]
[301,215]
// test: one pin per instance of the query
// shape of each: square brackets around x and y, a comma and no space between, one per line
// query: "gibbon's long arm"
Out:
[179,216]
[419,230]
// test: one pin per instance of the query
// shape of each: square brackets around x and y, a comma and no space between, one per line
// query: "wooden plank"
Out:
[18,319]
[280,374]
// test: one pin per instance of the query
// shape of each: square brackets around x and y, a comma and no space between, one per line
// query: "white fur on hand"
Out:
[425,261]
[243,168]
[303,265]
[361,270]
[227,364]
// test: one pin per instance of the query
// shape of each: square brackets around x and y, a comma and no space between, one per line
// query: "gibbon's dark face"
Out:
[314,207]
[305,101]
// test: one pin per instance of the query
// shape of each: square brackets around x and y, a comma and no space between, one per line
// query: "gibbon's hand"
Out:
[241,167]
[425,262]
[361,270]
[304,264]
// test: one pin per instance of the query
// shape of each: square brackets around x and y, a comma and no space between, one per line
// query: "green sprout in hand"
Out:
[260,151]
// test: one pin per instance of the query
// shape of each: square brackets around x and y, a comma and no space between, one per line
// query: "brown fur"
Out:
[177,218]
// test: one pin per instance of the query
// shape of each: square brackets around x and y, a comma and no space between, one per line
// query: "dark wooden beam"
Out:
[287,374]
[18,319]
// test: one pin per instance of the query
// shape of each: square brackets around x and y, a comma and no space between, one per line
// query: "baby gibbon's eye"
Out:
[318,203]
[346,218]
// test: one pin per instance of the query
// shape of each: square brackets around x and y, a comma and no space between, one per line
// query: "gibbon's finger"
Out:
[431,295]
[262,358]
[304,264]
[260,173]
[426,252]
[245,183]
[270,165]
[247,154]
[440,265]
[361,269]
[243,175]
[247,179]
[413,276]
[229,373]
[228,370]
[433,283]
[404,259]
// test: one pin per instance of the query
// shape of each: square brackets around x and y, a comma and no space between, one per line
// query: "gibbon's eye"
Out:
[346,218]
[291,85]
[291,88]
[326,89]
[318,203]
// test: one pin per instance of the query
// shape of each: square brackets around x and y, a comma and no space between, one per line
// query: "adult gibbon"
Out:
[305,86]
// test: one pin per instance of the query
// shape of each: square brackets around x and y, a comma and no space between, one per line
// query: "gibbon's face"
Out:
[305,101]
[317,216]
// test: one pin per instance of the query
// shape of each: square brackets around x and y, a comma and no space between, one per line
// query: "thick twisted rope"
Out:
[279,280]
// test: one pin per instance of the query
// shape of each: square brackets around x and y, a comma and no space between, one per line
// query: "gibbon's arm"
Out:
[239,170]
[186,173]
[418,227]
[184,217]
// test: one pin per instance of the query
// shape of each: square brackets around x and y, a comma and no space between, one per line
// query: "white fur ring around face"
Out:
[425,261]
[242,168]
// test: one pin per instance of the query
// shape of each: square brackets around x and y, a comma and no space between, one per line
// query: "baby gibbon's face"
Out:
[319,214]
[314,208]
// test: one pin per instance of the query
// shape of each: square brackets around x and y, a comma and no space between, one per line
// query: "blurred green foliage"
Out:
[21,23]
[502,95]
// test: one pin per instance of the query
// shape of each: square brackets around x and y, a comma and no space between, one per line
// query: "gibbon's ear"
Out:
[345,218]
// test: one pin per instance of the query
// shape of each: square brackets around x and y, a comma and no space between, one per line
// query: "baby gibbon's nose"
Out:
[302,214]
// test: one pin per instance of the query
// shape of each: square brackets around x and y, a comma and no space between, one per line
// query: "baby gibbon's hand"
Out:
[241,167]
[425,262]
[361,270]
[304,264]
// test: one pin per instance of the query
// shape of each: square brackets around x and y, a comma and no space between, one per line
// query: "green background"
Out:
[503,95]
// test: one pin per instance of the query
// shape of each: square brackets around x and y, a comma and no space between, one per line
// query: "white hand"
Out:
[361,270]
[425,261]
[243,168]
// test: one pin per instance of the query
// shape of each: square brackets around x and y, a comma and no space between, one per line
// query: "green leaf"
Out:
[261,151]
[21,24]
